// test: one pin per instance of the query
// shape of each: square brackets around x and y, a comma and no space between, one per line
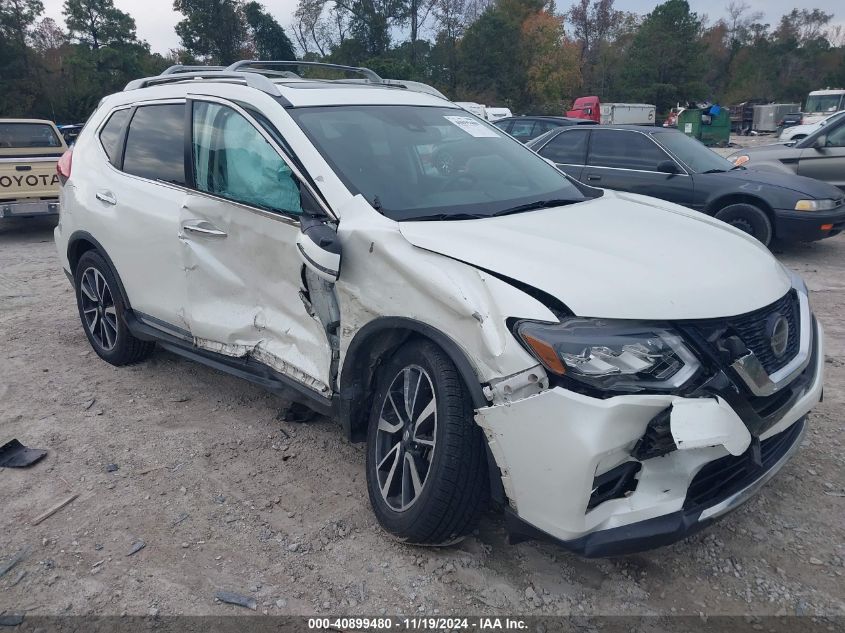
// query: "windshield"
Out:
[18,135]
[692,153]
[415,162]
[824,103]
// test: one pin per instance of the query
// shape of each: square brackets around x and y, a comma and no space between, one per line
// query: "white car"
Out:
[490,327]
[797,132]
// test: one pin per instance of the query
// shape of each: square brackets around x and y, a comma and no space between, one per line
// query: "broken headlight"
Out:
[624,356]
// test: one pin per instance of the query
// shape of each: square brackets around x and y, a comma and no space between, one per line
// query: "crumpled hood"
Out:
[621,256]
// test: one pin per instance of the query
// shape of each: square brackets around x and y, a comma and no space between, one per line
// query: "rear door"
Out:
[133,196]
[245,291]
[627,160]
[29,151]
[826,163]
[568,150]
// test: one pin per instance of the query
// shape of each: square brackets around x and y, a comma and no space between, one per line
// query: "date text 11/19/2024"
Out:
[418,624]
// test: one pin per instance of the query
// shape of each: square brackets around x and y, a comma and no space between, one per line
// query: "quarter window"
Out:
[567,148]
[625,150]
[155,143]
[233,160]
[110,135]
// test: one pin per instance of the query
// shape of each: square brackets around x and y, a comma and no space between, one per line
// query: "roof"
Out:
[646,128]
[828,91]
[293,90]
[545,117]
[42,121]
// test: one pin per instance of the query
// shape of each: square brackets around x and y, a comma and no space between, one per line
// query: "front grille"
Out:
[721,478]
[751,329]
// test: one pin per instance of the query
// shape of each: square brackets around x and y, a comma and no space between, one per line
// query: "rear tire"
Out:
[103,313]
[431,430]
[749,218]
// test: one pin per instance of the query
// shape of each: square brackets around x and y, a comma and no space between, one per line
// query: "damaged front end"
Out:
[605,472]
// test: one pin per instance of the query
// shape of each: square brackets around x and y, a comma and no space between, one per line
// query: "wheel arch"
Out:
[376,341]
[81,242]
[717,204]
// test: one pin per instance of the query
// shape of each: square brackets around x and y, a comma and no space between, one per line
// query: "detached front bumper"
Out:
[557,449]
[28,208]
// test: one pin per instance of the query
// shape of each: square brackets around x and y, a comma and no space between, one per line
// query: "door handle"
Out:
[593,177]
[106,196]
[204,229]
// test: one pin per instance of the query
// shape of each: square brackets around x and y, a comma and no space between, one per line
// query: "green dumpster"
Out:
[711,126]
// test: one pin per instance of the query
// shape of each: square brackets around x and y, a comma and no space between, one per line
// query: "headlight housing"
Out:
[611,355]
[815,205]
[740,160]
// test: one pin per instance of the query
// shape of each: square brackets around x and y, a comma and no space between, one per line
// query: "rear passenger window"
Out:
[110,135]
[523,130]
[567,148]
[155,144]
[625,150]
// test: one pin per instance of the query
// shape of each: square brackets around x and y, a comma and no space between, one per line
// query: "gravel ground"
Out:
[224,495]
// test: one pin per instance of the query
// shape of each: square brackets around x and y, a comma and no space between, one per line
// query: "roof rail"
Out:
[179,68]
[253,80]
[370,75]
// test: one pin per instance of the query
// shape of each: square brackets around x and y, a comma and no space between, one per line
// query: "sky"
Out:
[156,19]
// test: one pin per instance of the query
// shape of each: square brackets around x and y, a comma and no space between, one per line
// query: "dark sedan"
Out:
[525,128]
[665,163]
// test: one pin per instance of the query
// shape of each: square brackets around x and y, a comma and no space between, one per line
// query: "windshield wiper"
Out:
[531,206]
[714,171]
[437,217]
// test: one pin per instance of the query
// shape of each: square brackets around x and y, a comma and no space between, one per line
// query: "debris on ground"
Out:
[179,519]
[11,620]
[13,454]
[112,468]
[22,553]
[236,599]
[137,546]
[53,510]
[296,413]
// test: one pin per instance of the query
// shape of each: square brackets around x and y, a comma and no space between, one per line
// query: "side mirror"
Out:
[319,248]
[667,167]
[820,142]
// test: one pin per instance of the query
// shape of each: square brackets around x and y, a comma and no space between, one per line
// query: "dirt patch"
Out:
[224,496]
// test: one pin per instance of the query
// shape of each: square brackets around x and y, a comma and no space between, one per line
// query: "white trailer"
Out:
[627,113]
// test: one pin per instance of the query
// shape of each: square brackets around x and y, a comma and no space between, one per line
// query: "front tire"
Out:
[426,463]
[102,312]
[749,218]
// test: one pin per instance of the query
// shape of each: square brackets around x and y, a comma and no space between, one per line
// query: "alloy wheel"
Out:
[98,308]
[405,439]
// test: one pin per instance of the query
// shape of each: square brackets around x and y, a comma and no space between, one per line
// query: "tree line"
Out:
[528,55]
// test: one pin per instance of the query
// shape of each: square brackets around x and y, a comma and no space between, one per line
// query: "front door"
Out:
[627,160]
[826,163]
[244,276]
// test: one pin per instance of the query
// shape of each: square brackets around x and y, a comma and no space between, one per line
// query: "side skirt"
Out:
[245,368]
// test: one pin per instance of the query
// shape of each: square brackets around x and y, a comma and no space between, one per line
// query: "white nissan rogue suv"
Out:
[616,371]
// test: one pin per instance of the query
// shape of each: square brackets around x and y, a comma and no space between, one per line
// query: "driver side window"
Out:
[234,161]
[836,138]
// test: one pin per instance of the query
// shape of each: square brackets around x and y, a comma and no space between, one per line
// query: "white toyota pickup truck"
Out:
[29,151]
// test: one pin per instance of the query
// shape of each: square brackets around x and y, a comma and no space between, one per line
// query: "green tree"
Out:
[666,60]
[268,37]
[489,69]
[97,23]
[212,30]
